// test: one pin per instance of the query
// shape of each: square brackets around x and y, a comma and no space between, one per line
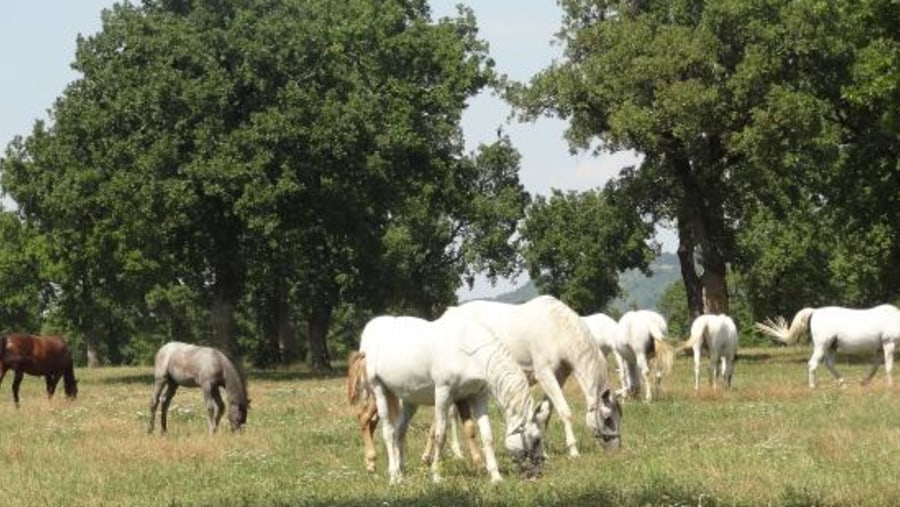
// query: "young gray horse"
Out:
[183,364]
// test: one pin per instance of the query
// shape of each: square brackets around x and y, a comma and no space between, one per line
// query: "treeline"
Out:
[264,175]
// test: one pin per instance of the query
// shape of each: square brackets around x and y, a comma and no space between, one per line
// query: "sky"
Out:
[37,47]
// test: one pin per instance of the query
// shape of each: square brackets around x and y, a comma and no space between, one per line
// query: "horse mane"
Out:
[235,381]
[581,351]
[508,383]
[779,330]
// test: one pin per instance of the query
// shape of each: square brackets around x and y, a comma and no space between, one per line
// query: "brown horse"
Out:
[38,355]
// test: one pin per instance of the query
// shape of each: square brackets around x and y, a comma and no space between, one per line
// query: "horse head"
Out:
[525,442]
[237,414]
[603,420]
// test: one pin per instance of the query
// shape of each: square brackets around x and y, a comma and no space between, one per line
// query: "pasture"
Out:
[771,440]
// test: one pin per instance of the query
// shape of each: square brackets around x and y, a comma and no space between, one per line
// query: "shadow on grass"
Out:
[652,494]
[269,375]
[295,375]
[141,378]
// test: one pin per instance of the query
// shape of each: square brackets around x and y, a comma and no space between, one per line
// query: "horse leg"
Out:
[713,369]
[453,417]
[368,420]
[212,412]
[442,403]
[51,385]
[388,406]
[407,411]
[479,410]
[729,369]
[645,377]
[158,387]
[623,371]
[829,363]
[553,391]
[169,393]
[220,405]
[818,353]
[465,415]
[889,361]
[17,381]
[696,368]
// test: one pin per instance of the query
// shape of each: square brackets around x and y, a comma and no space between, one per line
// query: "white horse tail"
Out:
[699,333]
[356,376]
[780,332]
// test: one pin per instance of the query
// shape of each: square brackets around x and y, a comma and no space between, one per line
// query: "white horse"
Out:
[833,329]
[719,334]
[406,362]
[550,342]
[642,335]
[605,331]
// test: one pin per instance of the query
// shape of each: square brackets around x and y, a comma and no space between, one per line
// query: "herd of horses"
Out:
[484,349]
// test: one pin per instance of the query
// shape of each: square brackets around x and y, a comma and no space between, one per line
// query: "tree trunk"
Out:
[223,324]
[692,283]
[93,352]
[319,320]
[715,286]
[288,346]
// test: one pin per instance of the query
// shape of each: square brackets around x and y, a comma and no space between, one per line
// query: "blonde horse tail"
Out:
[356,376]
[664,356]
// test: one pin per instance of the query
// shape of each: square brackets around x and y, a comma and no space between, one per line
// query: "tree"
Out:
[729,102]
[576,244]
[216,149]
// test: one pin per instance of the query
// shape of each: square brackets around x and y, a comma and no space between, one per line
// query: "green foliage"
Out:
[758,122]
[224,171]
[577,243]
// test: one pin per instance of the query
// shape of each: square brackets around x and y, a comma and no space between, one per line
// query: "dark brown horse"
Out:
[37,355]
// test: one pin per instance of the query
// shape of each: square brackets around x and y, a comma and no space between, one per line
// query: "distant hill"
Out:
[638,291]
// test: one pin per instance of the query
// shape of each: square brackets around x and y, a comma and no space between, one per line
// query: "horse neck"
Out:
[509,385]
[234,382]
[588,372]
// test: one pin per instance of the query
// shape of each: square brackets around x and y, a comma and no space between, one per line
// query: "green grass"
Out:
[769,441]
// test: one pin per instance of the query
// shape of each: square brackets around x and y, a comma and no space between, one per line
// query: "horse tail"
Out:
[779,331]
[699,332]
[664,356]
[356,376]
[69,382]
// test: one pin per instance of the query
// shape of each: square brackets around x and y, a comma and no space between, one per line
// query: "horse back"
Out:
[36,355]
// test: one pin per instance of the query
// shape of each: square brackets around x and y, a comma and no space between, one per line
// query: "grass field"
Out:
[770,440]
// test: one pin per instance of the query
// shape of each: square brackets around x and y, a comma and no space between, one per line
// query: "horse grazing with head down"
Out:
[38,355]
[550,342]
[644,351]
[183,364]
[405,362]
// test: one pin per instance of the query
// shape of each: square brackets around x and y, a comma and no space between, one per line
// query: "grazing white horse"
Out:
[719,334]
[874,331]
[406,362]
[642,335]
[605,331]
[550,341]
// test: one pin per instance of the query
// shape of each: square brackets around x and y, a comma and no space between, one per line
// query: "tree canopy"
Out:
[268,153]
[741,110]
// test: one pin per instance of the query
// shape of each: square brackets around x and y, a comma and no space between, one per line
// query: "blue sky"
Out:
[37,46]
